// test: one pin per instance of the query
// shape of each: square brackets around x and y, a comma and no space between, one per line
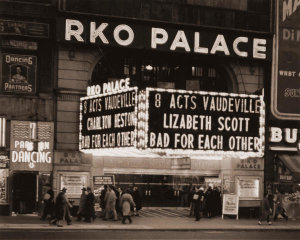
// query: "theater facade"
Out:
[163,106]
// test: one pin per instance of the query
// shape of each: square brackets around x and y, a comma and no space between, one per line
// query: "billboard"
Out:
[179,121]
[285,94]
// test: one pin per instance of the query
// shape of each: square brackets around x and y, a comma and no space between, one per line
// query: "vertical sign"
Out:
[286,79]
[18,73]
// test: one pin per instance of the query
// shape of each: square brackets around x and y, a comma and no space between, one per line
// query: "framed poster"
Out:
[230,205]
[248,187]
[19,73]
[73,182]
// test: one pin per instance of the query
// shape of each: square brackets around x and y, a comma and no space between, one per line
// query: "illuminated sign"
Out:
[110,87]
[31,145]
[286,79]
[283,139]
[185,121]
[108,120]
[199,41]
[19,73]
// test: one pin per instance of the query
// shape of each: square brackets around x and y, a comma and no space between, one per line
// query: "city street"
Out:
[119,234]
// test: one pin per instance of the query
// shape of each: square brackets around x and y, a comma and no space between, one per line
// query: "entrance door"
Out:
[24,192]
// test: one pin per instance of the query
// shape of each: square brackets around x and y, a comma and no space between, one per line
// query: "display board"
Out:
[108,121]
[104,180]
[286,69]
[230,205]
[181,121]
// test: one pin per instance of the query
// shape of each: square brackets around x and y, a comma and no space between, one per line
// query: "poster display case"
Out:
[74,182]
[248,187]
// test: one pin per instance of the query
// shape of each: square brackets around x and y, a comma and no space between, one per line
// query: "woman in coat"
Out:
[110,204]
[266,210]
[126,201]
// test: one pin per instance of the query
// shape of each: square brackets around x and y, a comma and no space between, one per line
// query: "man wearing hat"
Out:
[82,203]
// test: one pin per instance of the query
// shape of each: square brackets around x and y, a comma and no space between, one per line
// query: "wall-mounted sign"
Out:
[72,158]
[104,180]
[250,164]
[21,28]
[284,139]
[248,187]
[31,146]
[19,73]
[286,80]
[4,159]
[230,205]
[142,36]
[108,120]
[10,43]
[178,120]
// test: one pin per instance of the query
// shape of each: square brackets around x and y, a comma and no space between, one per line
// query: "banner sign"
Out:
[142,36]
[104,180]
[179,120]
[19,73]
[108,120]
[286,85]
[230,205]
[31,146]
[21,28]
[283,139]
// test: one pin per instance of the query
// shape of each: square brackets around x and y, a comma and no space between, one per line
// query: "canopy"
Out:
[292,162]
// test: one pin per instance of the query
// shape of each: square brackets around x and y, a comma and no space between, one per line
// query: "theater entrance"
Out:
[161,190]
[24,192]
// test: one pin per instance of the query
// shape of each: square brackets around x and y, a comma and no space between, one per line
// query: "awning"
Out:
[292,162]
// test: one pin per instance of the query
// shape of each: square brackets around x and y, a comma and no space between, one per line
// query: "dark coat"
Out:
[62,206]
[89,209]
[137,199]
[265,207]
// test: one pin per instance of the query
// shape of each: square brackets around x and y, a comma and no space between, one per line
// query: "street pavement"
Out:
[162,219]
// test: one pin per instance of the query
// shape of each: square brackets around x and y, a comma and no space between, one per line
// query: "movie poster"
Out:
[19,73]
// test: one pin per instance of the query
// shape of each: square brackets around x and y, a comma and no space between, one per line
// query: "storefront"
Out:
[286,160]
[31,164]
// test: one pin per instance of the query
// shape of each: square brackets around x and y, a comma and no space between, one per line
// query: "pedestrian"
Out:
[110,204]
[216,202]
[192,203]
[279,209]
[208,201]
[265,210]
[48,200]
[198,198]
[82,203]
[62,206]
[89,206]
[126,201]
[137,200]
[102,200]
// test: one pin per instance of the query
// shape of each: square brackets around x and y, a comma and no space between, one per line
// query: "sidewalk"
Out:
[32,222]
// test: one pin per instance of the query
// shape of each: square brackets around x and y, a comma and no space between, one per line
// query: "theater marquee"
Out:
[178,121]
[108,120]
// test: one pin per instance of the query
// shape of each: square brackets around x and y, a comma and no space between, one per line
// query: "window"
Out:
[162,71]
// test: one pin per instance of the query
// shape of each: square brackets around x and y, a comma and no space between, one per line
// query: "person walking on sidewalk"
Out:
[198,198]
[137,200]
[126,201]
[265,210]
[110,204]
[279,207]
[62,208]
[48,204]
[82,202]
[89,206]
